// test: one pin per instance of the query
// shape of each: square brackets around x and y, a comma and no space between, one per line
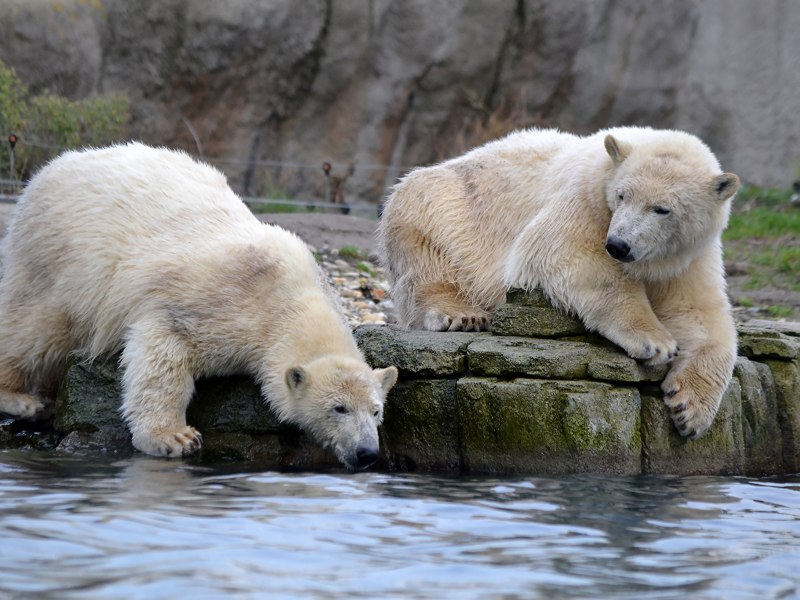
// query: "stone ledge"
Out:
[483,403]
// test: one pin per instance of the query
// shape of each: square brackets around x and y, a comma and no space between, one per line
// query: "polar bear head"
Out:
[339,401]
[668,201]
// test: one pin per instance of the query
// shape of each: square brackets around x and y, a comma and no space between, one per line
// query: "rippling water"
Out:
[148,528]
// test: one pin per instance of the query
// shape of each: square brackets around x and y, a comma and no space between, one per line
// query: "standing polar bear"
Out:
[146,251]
[621,227]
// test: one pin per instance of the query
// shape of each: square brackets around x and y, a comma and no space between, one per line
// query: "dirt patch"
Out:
[328,231]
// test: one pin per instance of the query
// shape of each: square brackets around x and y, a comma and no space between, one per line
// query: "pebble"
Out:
[363,293]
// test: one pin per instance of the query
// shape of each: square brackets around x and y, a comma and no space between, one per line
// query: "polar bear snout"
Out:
[366,456]
[619,249]
[357,451]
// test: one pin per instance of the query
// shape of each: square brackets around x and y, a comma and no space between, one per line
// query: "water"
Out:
[148,528]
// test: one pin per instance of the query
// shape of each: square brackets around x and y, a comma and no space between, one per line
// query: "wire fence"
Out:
[322,188]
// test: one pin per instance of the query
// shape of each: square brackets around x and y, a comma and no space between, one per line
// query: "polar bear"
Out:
[621,227]
[147,252]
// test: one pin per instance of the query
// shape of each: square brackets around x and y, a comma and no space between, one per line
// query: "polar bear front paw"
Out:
[691,412]
[436,320]
[172,443]
[656,348]
[22,406]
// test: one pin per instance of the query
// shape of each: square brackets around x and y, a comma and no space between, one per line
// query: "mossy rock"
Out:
[89,398]
[760,427]
[531,315]
[556,359]
[420,428]
[764,342]
[538,426]
[416,353]
[786,376]
[720,451]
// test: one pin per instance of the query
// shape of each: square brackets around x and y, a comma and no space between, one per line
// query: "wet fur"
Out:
[147,252]
[535,209]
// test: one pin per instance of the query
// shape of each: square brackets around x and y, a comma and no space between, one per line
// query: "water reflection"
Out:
[145,527]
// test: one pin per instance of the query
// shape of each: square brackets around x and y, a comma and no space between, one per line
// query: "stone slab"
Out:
[420,429]
[555,359]
[537,426]
[416,353]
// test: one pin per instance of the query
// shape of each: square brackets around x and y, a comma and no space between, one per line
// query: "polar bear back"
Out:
[96,231]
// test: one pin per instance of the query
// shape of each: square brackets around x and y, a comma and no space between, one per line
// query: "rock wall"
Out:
[372,83]
[543,397]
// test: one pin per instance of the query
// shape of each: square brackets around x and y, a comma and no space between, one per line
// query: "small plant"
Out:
[350,252]
[48,124]
[366,268]
[780,311]
[277,207]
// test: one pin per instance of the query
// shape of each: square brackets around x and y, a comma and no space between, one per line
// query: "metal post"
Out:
[12,141]
[326,168]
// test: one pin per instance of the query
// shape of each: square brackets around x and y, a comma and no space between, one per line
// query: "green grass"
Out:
[763,223]
[763,196]
[365,268]
[763,235]
[783,259]
[780,311]
[350,252]
[275,207]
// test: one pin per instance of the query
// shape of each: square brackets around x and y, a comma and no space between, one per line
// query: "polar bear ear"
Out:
[296,378]
[617,150]
[387,378]
[725,185]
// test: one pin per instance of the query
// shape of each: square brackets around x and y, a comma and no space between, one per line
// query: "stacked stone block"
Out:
[538,395]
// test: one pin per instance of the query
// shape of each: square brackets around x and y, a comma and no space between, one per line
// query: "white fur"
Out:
[537,208]
[146,251]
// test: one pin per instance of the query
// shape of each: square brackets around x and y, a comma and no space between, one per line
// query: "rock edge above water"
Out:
[544,397]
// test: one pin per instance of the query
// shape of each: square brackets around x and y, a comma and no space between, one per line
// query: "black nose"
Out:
[365,456]
[619,249]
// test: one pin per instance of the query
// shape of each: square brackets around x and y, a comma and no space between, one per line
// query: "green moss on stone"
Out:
[420,428]
[762,436]
[787,387]
[719,451]
[767,343]
[557,359]
[538,426]
[538,322]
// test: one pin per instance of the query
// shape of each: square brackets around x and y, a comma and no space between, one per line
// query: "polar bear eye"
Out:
[660,210]
[620,196]
[341,409]
[375,414]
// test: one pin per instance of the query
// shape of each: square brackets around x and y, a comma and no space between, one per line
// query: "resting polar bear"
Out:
[146,251]
[621,227]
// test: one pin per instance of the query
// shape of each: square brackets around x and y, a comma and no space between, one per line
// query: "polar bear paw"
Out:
[22,406]
[654,348]
[436,320]
[691,412]
[171,443]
